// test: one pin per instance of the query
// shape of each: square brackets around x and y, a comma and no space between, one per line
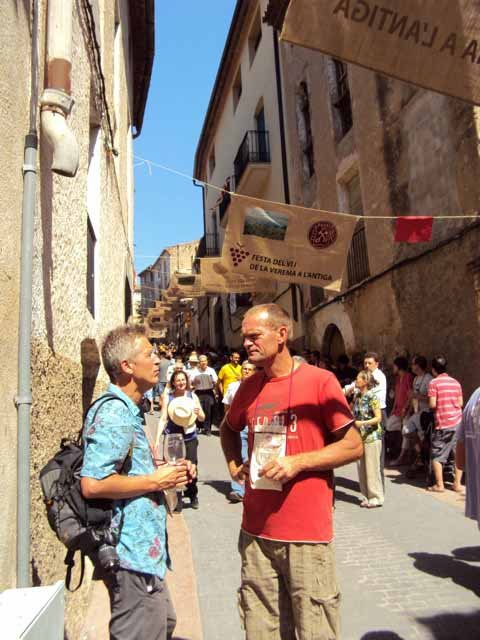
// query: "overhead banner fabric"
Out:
[186,285]
[413,229]
[287,243]
[219,278]
[434,44]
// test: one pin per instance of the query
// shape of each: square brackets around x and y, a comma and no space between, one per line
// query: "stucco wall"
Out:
[14,29]
[66,370]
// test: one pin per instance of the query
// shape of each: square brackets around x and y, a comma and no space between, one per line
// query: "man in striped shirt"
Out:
[446,400]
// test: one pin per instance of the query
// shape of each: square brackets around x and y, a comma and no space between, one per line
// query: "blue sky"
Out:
[190,37]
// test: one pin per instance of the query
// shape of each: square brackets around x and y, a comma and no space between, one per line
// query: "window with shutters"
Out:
[304,128]
[237,89]
[255,37]
[341,99]
[128,300]
[358,267]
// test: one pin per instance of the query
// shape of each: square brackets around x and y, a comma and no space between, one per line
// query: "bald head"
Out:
[273,315]
[266,329]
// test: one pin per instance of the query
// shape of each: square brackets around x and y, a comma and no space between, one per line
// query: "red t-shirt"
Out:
[302,510]
[447,391]
[403,387]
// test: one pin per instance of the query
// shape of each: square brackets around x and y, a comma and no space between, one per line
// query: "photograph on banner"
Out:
[186,285]
[287,243]
[434,44]
[217,277]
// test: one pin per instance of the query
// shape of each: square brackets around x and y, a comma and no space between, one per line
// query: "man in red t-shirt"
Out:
[445,398]
[299,428]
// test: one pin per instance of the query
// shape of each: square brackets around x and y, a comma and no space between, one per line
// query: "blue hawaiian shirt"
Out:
[116,431]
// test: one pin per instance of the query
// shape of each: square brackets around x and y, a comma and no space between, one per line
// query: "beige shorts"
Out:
[289,590]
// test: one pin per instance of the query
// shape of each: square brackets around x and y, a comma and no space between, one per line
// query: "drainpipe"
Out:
[23,399]
[56,101]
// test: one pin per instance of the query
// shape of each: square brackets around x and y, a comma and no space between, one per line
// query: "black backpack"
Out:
[77,522]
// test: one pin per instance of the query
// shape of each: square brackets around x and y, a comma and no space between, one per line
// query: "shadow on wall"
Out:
[90,358]
[45,185]
[24,4]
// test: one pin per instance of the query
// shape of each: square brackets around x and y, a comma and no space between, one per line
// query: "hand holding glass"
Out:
[174,448]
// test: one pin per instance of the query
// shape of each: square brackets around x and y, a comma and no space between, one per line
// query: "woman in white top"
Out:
[180,388]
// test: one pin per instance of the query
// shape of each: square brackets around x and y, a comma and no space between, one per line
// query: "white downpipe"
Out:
[56,101]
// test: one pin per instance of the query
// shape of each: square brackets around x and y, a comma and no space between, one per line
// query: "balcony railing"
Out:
[255,148]
[208,246]
[211,245]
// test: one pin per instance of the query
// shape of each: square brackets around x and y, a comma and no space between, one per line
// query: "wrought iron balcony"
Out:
[211,244]
[255,149]
[208,246]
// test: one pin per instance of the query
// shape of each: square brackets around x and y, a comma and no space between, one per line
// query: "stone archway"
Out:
[333,344]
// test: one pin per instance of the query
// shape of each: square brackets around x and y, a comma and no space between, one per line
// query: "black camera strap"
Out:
[70,562]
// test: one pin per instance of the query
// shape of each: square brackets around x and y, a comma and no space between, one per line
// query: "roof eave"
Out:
[142,28]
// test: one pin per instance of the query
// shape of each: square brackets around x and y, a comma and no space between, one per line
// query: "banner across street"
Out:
[287,243]
[430,43]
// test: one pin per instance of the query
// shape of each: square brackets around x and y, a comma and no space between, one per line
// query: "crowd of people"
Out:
[286,421]
[416,434]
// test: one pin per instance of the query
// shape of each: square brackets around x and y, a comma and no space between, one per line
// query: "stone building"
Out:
[83,274]
[371,145]
[242,147]
[156,278]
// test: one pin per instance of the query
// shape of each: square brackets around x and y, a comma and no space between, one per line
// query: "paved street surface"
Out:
[408,571]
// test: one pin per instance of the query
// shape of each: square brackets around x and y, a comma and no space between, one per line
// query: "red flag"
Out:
[414,229]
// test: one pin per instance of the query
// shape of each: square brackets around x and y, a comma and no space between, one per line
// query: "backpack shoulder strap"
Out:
[101,400]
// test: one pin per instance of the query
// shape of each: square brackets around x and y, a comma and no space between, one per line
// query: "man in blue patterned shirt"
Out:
[139,598]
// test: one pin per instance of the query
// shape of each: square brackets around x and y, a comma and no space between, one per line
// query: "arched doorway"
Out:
[333,343]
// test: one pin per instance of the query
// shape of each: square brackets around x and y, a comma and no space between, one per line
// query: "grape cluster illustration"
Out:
[238,255]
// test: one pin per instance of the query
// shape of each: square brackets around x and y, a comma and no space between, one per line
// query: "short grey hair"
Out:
[274,315]
[120,344]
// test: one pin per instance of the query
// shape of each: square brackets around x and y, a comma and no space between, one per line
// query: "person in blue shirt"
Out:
[467,455]
[118,465]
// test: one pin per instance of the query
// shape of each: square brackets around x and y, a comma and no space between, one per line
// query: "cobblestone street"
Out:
[409,571]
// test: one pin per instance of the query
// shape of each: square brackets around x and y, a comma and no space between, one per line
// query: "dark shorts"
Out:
[443,442]
[141,607]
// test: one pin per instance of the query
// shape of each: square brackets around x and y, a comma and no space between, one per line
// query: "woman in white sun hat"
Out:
[180,414]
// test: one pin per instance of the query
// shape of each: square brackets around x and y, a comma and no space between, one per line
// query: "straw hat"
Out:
[180,412]
[193,358]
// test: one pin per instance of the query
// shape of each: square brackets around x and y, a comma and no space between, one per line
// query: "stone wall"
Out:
[416,153]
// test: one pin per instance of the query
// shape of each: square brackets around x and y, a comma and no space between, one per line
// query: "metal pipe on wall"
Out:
[56,100]
[23,399]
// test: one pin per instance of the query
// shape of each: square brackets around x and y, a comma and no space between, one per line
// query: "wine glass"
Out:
[174,448]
